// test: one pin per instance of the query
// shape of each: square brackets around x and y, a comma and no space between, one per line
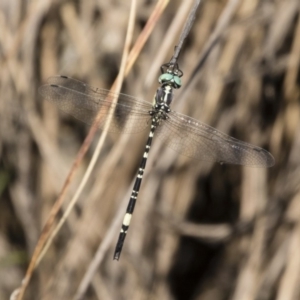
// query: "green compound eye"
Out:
[174,79]
[177,81]
[165,77]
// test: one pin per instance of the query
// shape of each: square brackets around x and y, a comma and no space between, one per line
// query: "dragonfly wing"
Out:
[84,102]
[197,140]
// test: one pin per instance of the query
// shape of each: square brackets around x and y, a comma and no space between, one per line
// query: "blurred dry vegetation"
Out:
[200,231]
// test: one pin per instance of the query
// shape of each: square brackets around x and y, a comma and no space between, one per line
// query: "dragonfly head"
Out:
[170,79]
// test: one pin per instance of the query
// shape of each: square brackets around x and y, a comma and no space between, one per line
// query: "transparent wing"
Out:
[194,139]
[85,102]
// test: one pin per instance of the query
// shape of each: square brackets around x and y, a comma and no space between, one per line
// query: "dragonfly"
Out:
[186,135]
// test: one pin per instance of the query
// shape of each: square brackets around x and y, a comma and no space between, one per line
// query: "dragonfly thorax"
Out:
[163,98]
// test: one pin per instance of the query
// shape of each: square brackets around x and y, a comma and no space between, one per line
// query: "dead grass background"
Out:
[200,231]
